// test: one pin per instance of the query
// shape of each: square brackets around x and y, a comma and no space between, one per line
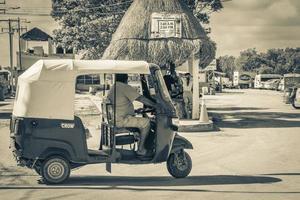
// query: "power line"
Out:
[48,14]
[29,14]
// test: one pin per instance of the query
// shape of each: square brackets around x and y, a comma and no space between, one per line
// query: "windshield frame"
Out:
[164,94]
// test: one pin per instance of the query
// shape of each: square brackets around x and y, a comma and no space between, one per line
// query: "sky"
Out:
[241,24]
[260,24]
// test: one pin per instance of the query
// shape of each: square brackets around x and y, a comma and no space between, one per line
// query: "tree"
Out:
[88,25]
[227,65]
[274,61]
[203,8]
[264,69]
[249,60]
[292,56]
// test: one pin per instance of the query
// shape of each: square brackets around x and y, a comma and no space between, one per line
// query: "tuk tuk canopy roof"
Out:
[47,88]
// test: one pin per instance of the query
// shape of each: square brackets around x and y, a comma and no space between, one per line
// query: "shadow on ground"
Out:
[234,108]
[5,115]
[3,104]
[232,92]
[168,181]
[158,183]
[256,119]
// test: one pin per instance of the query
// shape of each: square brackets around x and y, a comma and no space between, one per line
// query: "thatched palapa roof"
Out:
[132,40]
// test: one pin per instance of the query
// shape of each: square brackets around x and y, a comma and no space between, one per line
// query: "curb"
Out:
[198,127]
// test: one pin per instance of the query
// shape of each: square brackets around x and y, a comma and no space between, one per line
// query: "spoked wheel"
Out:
[55,170]
[179,164]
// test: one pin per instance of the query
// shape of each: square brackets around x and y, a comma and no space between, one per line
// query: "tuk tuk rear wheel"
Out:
[179,164]
[55,170]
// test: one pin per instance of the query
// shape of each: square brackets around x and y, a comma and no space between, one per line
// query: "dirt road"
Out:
[255,155]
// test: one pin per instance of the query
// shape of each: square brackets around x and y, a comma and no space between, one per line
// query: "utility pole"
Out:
[11,30]
[10,34]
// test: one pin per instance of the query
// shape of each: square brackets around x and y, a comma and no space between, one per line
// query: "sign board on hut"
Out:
[165,25]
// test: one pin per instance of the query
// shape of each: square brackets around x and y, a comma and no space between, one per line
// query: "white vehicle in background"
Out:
[242,80]
[271,84]
[261,79]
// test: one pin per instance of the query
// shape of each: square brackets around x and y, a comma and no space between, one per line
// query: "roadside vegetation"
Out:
[273,61]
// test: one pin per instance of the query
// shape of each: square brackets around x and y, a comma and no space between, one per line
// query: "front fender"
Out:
[179,143]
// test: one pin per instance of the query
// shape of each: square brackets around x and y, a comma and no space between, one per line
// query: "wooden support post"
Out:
[194,70]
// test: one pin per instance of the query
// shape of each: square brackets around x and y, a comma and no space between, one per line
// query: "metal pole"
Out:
[19,31]
[104,77]
[115,99]
[10,34]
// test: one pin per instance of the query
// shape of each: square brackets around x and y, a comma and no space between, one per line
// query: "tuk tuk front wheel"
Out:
[179,164]
[55,170]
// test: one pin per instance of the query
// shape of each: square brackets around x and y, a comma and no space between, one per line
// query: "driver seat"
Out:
[123,135]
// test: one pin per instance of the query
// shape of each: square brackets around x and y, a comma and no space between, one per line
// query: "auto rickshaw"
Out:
[47,137]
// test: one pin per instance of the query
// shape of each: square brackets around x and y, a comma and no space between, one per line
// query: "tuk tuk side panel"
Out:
[164,139]
[44,137]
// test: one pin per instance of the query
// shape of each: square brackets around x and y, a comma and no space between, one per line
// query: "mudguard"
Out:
[56,151]
[180,143]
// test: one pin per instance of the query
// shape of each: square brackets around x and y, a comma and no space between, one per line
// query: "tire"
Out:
[180,168]
[55,170]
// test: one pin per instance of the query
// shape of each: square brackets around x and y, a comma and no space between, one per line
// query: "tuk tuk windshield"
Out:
[164,90]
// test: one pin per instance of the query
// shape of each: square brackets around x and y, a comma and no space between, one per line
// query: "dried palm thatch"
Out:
[132,39]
